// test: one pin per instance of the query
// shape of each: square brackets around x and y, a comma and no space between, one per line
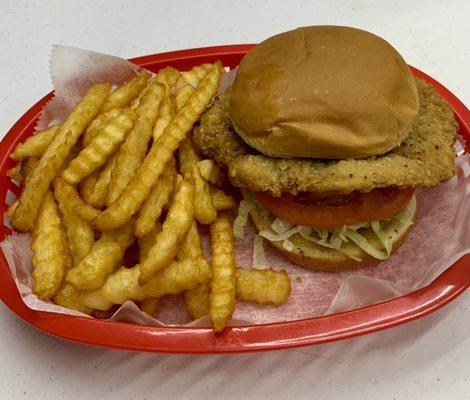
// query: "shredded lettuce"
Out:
[274,237]
[331,238]
[386,241]
[364,244]
[405,218]
[288,245]
[280,226]
[244,210]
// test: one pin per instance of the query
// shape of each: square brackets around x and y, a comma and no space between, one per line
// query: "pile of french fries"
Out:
[122,169]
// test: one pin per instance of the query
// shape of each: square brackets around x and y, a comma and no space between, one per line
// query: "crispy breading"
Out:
[424,159]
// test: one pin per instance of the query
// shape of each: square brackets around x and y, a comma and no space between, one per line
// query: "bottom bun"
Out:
[313,256]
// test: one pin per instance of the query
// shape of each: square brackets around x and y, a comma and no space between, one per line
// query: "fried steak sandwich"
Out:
[328,134]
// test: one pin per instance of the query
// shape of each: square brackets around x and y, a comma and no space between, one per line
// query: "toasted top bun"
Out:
[323,92]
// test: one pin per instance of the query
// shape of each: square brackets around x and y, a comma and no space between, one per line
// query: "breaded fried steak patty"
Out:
[327,134]
[424,159]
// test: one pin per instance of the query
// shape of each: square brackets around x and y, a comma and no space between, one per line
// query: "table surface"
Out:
[428,358]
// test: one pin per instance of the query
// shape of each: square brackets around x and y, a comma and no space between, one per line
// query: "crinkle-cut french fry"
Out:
[51,256]
[97,197]
[191,247]
[15,172]
[167,112]
[262,285]
[174,230]
[168,75]
[221,200]
[182,95]
[52,159]
[149,171]
[222,286]
[123,284]
[197,300]
[104,143]
[80,235]
[204,210]
[149,305]
[194,75]
[69,297]
[158,198]
[97,124]
[35,145]
[187,157]
[103,258]
[146,242]
[84,210]
[27,167]
[87,185]
[211,172]
[132,151]
[127,92]
[12,208]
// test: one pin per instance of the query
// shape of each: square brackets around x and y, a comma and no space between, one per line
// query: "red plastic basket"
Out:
[234,339]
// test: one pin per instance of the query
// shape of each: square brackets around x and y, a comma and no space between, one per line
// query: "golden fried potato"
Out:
[35,145]
[146,242]
[174,230]
[97,197]
[51,160]
[51,256]
[158,198]
[191,247]
[27,168]
[84,210]
[15,172]
[167,112]
[160,153]
[222,286]
[123,284]
[168,75]
[127,92]
[187,157]
[197,300]
[204,210]
[220,200]
[87,185]
[262,285]
[80,236]
[69,297]
[97,124]
[104,143]
[132,151]
[103,258]
[194,75]
[182,95]
[211,172]
[149,305]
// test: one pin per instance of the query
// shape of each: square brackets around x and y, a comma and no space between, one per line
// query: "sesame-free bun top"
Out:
[327,92]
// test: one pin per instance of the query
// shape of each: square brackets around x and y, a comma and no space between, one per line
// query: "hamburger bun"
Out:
[325,92]
[313,256]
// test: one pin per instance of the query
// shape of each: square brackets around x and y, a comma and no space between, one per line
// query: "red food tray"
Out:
[280,335]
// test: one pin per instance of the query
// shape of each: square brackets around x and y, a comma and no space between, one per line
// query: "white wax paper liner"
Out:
[440,236]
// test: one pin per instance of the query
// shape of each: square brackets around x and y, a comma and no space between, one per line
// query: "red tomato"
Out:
[332,210]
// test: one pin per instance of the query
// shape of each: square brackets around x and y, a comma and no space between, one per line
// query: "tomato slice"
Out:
[331,210]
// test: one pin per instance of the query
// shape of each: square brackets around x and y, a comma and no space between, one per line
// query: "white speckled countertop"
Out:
[428,358]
